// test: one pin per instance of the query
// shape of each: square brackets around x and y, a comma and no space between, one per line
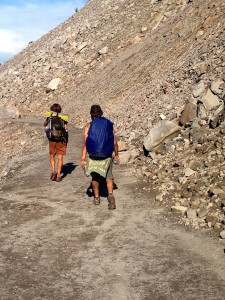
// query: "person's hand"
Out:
[83,163]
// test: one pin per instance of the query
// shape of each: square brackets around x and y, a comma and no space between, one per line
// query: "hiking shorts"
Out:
[109,175]
[57,148]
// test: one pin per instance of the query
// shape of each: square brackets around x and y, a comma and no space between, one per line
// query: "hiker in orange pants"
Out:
[56,131]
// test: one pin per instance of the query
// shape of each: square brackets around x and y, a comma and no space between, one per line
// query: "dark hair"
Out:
[56,108]
[96,110]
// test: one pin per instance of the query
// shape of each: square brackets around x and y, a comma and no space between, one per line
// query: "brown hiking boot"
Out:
[112,202]
[96,200]
[53,176]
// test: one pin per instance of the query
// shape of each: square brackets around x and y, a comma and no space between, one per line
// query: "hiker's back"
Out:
[100,140]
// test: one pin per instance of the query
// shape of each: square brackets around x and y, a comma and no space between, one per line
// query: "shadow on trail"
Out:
[103,192]
[68,168]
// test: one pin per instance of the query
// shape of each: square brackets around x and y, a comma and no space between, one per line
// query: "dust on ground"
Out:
[55,244]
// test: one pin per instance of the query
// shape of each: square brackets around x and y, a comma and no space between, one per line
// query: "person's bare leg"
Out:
[109,183]
[111,198]
[60,164]
[95,186]
[52,162]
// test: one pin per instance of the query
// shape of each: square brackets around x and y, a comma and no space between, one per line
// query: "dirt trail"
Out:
[55,244]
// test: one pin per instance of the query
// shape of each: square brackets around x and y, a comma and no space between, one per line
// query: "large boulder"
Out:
[10,112]
[53,84]
[158,133]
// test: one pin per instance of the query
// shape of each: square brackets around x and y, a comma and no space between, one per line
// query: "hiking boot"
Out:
[112,202]
[53,176]
[96,200]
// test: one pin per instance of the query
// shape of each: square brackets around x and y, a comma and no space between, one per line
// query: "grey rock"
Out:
[125,157]
[103,51]
[189,172]
[210,101]
[189,113]
[10,112]
[217,86]
[53,84]
[133,135]
[202,213]
[217,116]
[160,132]
[198,137]
[195,204]
[185,133]
[191,213]
[199,89]
[202,112]
[81,46]
[222,234]
[211,219]
[134,153]
[179,209]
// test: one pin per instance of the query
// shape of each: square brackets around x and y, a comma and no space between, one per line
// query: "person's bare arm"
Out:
[116,148]
[84,149]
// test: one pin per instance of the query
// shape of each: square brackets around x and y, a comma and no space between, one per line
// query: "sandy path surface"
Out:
[55,244]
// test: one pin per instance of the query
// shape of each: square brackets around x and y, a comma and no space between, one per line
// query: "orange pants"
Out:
[58,148]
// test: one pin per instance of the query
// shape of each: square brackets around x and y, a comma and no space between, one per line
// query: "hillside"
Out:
[119,54]
[142,61]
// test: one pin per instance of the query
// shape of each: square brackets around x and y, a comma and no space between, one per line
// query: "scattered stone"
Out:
[53,84]
[210,101]
[10,112]
[125,157]
[122,146]
[222,234]
[199,89]
[81,46]
[191,213]
[179,209]
[189,113]
[202,213]
[144,29]
[218,86]
[103,51]
[211,219]
[188,172]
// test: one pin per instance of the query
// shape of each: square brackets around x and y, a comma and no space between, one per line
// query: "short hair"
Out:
[96,110]
[56,108]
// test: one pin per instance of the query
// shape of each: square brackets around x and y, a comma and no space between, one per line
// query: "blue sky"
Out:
[23,21]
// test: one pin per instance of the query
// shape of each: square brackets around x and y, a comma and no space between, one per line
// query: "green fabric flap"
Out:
[99,166]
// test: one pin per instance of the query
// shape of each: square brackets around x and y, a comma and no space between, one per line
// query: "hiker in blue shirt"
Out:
[100,143]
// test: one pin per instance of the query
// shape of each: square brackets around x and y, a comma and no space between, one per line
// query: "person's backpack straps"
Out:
[48,128]
[65,118]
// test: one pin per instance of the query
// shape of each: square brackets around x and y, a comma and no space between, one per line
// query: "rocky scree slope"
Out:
[142,61]
[137,56]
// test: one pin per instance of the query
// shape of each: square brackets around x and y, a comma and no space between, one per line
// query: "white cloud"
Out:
[29,20]
[13,42]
